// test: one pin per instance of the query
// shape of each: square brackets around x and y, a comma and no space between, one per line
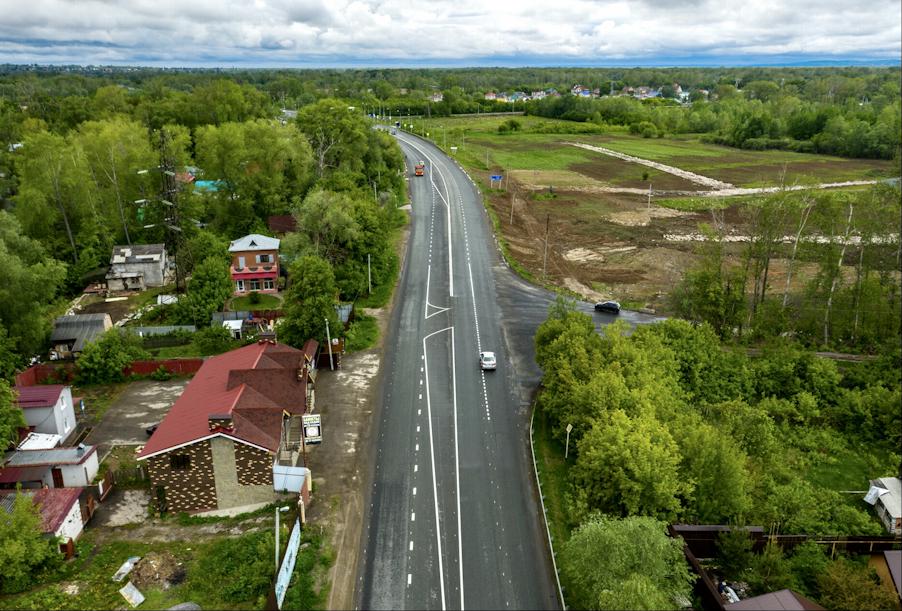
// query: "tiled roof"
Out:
[42,395]
[254,384]
[54,503]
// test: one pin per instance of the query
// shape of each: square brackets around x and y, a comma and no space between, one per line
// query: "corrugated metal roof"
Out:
[80,329]
[15,475]
[42,395]
[138,253]
[781,600]
[893,500]
[54,503]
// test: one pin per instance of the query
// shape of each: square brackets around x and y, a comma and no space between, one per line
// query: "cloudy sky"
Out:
[321,33]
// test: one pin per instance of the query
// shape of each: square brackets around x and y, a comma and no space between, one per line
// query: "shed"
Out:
[48,408]
[61,467]
[60,510]
[885,495]
[72,333]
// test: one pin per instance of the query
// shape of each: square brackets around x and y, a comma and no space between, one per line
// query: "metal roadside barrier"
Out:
[557,577]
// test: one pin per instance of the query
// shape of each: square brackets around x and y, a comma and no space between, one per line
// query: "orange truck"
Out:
[419,168]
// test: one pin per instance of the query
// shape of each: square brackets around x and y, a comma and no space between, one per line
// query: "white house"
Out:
[48,408]
[60,509]
[54,468]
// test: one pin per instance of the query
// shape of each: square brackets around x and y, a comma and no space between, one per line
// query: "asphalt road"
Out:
[454,520]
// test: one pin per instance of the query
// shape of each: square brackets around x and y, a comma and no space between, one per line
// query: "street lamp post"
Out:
[329,343]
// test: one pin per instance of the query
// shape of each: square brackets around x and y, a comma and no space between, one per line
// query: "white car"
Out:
[487,360]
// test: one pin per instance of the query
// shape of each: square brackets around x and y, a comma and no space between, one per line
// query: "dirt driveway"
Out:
[143,403]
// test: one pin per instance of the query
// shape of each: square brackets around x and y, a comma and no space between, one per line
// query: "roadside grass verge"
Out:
[553,475]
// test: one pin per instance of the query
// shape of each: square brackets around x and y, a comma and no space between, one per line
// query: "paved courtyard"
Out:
[143,403]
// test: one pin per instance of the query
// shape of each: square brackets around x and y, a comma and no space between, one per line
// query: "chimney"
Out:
[220,422]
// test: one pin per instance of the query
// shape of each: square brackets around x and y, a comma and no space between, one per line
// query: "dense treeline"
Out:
[86,167]
[850,111]
[857,122]
[668,425]
[675,427]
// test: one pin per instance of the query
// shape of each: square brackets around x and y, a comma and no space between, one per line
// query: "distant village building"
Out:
[437,97]
[255,264]
[138,267]
[489,95]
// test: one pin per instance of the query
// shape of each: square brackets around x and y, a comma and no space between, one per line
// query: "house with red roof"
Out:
[61,514]
[237,423]
[48,408]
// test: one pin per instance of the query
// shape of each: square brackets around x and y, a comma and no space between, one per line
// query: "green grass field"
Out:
[535,146]
[266,302]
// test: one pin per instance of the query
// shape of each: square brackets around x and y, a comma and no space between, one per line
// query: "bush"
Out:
[161,374]
[253,297]
[104,359]
[362,333]
[25,550]
[213,340]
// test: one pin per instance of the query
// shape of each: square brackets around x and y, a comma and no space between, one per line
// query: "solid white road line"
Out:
[438,525]
[460,550]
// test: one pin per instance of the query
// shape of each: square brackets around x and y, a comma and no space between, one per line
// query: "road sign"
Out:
[495,177]
[287,568]
[313,429]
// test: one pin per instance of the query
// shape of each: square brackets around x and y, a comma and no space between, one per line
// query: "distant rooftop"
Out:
[138,253]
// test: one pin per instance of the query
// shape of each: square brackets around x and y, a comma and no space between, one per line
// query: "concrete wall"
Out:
[77,476]
[243,474]
[154,271]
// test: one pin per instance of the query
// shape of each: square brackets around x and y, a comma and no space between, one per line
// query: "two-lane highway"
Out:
[453,521]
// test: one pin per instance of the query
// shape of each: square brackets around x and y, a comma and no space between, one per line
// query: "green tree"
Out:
[717,466]
[770,570]
[309,302]
[104,360]
[11,417]
[734,552]
[629,466]
[337,136]
[846,585]
[629,563]
[208,290]
[25,550]
[29,281]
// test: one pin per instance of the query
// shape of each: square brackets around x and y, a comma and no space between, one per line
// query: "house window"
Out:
[267,285]
[240,262]
[255,285]
[239,284]
[179,462]
[264,258]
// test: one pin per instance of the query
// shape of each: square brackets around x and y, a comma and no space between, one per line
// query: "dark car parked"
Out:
[611,307]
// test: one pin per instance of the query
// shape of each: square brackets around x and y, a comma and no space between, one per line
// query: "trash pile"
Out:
[158,569]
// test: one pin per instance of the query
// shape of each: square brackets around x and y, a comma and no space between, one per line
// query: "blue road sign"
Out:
[496,177]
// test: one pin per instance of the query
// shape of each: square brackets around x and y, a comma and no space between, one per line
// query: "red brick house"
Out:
[255,264]
[236,422]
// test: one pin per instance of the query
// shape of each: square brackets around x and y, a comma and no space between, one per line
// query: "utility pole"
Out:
[512,209]
[649,198]
[329,343]
[545,256]
[369,276]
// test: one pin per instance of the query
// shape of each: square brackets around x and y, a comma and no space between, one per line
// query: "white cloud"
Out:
[264,32]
